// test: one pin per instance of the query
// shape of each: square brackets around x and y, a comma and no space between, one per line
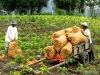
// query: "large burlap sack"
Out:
[76,38]
[60,42]
[50,51]
[13,46]
[68,30]
[13,50]
[57,34]
[19,52]
[75,29]
[66,50]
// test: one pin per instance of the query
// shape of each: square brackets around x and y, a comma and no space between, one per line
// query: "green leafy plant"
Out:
[61,69]
[1,52]
[2,46]
[80,66]
[69,60]
[19,59]
[11,63]
[30,52]
[44,69]
[26,70]
[41,50]
[31,58]
[14,72]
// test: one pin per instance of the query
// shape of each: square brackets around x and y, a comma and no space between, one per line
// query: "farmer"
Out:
[87,33]
[11,35]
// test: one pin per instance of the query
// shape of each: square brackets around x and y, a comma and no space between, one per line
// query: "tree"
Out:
[23,5]
[32,4]
[37,5]
[11,5]
[41,4]
[92,4]
[81,7]
[67,5]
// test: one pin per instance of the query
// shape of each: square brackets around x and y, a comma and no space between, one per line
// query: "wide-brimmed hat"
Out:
[84,24]
[13,22]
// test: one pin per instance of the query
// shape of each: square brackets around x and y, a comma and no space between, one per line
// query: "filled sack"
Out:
[66,50]
[76,38]
[13,50]
[50,51]
[57,34]
[68,30]
[60,42]
[75,29]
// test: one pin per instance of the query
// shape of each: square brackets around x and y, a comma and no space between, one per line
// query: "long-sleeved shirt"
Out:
[11,34]
[87,33]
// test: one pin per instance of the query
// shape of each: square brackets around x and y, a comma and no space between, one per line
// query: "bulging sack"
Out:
[50,51]
[13,50]
[75,29]
[76,38]
[68,30]
[66,50]
[60,42]
[57,34]
[13,46]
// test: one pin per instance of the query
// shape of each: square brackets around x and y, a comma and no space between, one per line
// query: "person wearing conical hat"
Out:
[11,35]
[85,31]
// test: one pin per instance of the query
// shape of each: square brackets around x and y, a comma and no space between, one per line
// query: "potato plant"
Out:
[35,33]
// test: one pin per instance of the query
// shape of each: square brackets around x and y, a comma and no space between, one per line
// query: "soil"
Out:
[71,68]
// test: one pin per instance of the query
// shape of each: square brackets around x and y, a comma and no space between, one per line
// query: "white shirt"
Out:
[87,33]
[11,34]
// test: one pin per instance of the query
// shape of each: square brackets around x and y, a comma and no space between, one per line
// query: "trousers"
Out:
[91,53]
[6,48]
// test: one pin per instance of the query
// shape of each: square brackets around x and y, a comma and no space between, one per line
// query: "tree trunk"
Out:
[31,11]
[70,10]
[92,11]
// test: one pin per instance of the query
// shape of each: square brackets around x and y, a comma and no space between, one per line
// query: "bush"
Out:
[60,12]
[19,59]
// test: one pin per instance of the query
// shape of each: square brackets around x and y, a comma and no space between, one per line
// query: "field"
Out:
[34,33]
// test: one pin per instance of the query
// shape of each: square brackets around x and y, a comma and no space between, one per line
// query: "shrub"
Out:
[19,59]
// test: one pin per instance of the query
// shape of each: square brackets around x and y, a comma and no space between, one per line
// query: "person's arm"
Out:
[16,34]
[86,33]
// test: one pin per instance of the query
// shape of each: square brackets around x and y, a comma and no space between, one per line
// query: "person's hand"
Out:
[13,41]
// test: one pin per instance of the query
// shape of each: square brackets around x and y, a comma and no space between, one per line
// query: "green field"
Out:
[34,33]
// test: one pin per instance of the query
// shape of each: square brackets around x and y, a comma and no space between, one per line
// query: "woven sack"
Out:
[76,38]
[68,30]
[66,50]
[60,42]
[19,52]
[13,50]
[57,34]
[11,54]
[13,46]
[50,51]
[75,29]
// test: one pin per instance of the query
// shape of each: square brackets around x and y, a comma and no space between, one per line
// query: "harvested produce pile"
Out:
[62,42]
[13,50]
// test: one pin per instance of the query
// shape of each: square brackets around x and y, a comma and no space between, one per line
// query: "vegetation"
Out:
[68,5]
[23,6]
[92,4]
[35,33]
